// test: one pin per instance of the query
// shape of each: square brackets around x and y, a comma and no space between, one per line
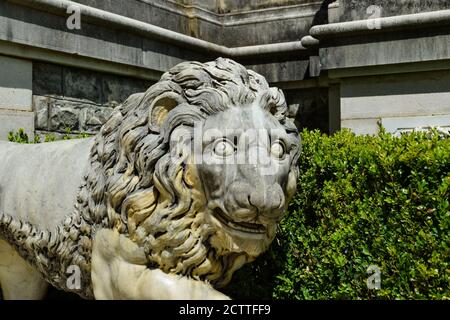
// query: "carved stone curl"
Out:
[183,185]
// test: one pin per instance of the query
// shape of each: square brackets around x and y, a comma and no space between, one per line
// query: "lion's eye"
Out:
[224,148]
[277,149]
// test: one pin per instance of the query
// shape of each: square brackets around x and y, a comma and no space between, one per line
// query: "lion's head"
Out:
[198,170]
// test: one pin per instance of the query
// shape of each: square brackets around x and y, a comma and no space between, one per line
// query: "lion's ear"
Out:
[161,107]
[276,103]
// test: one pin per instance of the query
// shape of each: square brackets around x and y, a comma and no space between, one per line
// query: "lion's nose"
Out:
[268,202]
[245,201]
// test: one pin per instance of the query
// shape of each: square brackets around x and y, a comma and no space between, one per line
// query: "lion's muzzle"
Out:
[259,202]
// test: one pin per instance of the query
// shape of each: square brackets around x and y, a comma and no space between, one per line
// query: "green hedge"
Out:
[362,201]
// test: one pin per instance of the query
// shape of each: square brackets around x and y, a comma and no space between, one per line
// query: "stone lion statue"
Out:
[165,202]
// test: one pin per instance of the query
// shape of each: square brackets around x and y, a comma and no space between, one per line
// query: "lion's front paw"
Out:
[119,272]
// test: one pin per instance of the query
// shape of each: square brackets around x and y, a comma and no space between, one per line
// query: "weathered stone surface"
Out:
[364,101]
[164,56]
[37,28]
[59,114]
[147,11]
[82,102]
[97,87]
[40,107]
[272,26]
[92,118]
[395,96]
[64,118]
[98,42]
[116,89]
[15,84]
[279,71]
[230,23]
[83,84]
[249,5]
[47,79]
[359,9]
[416,46]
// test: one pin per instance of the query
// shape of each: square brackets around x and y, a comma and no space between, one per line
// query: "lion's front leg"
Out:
[119,272]
[18,279]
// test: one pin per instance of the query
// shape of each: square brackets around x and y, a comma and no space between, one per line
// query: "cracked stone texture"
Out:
[60,114]
[79,100]
[40,105]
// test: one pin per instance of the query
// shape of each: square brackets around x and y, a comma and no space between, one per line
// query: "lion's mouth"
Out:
[239,226]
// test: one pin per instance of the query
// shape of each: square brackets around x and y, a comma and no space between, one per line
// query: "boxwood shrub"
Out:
[362,201]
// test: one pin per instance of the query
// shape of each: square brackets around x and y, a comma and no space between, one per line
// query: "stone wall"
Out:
[60,114]
[230,6]
[358,9]
[231,22]
[15,96]
[46,98]
[67,99]
[76,100]
[399,102]
[53,99]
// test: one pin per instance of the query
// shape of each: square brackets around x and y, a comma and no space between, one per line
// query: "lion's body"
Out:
[134,209]
[18,279]
[39,183]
